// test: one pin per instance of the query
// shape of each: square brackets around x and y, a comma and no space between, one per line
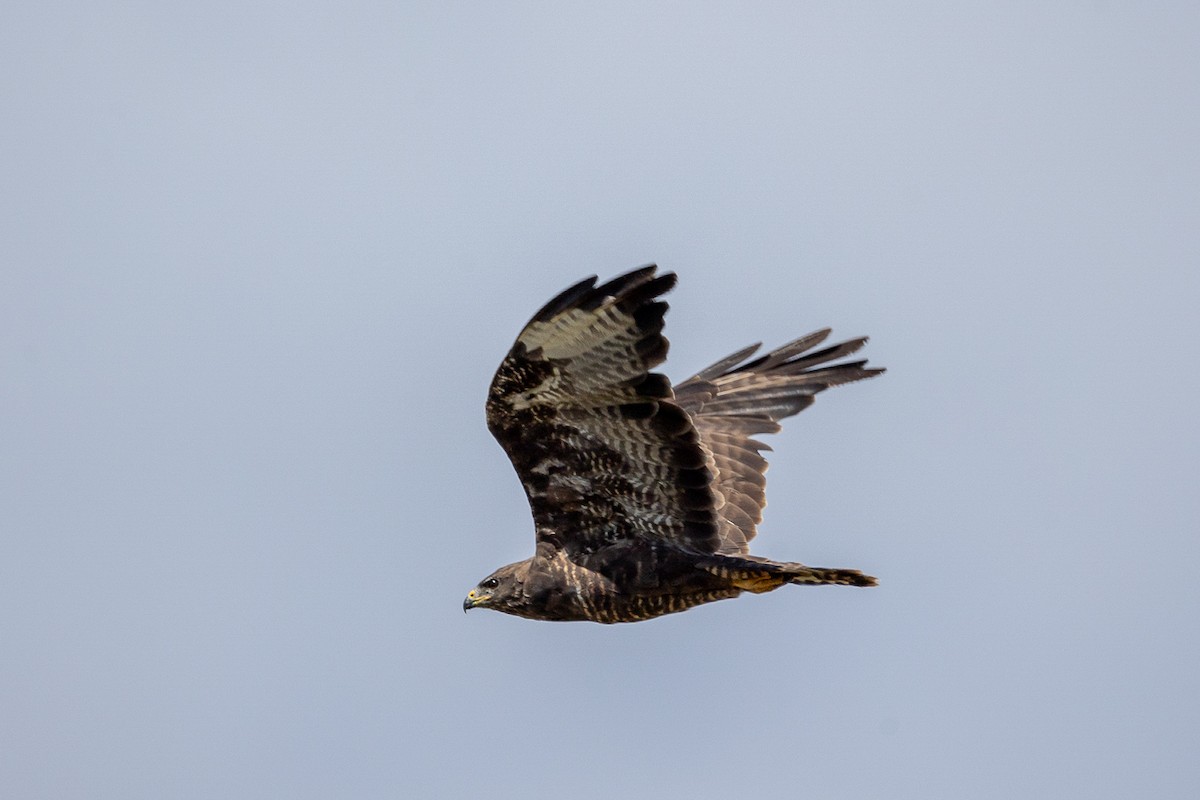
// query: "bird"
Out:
[645,496]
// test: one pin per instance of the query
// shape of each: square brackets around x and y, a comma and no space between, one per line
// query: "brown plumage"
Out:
[644,497]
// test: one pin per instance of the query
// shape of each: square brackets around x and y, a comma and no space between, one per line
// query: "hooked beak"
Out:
[473,599]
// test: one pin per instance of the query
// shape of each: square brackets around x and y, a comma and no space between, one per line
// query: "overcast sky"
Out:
[259,261]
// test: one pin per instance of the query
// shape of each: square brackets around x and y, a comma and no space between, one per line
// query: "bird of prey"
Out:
[644,496]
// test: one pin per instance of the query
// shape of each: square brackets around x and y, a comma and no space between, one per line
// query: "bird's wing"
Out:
[602,449]
[731,401]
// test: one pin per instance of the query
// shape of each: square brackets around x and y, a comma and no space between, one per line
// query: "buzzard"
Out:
[644,497]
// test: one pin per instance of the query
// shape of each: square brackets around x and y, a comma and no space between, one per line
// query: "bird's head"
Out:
[502,590]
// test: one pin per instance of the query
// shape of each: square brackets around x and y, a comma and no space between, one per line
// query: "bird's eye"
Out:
[490,583]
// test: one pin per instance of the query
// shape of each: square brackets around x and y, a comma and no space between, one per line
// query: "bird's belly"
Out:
[635,608]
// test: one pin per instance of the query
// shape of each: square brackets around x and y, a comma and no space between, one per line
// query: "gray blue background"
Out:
[260,260]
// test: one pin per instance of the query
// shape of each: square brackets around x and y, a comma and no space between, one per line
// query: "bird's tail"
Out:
[798,573]
[754,574]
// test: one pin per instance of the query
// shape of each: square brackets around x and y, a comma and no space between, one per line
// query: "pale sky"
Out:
[260,261]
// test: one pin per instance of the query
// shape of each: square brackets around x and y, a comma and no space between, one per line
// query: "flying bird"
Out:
[644,496]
